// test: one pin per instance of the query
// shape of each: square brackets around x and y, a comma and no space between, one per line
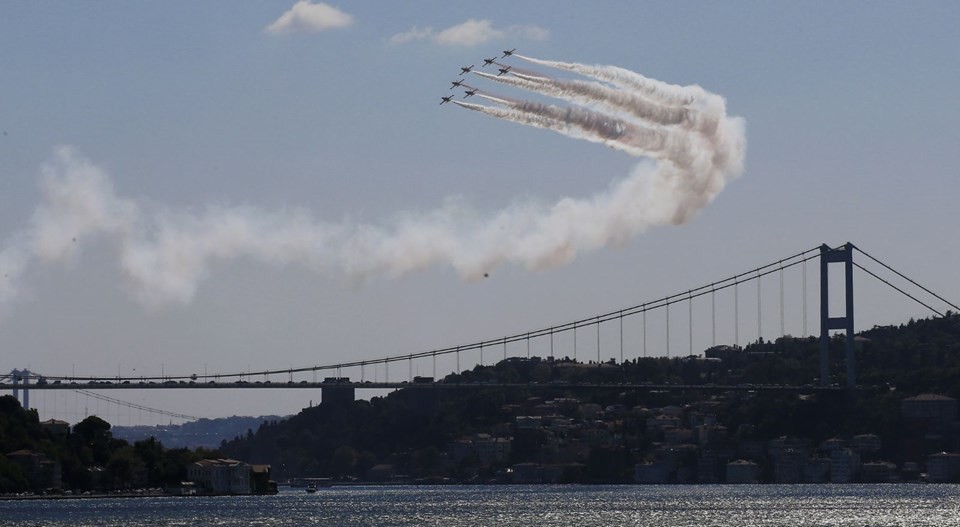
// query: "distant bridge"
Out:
[370,385]
[22,381]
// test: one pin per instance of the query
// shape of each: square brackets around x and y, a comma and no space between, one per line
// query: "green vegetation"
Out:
[89,457]
[595,435]
[412,428]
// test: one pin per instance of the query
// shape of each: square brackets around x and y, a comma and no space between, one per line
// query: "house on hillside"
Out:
[41,472]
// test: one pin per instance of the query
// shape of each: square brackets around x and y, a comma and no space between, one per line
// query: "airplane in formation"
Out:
[469,93]
[487,62]
[503,70]
[466,69]
[457,83]
[508,52]
[446,99]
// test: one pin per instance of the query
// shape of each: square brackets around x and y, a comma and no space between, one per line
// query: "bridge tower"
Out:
[842,255]
[17,376]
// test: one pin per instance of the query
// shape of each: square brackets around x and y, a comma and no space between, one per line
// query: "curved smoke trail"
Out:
[658,91]
[164,257]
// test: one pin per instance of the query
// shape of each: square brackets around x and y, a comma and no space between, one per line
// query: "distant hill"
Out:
[206,433]
[600,435]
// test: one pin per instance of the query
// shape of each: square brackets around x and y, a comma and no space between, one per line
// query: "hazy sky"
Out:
[229,186]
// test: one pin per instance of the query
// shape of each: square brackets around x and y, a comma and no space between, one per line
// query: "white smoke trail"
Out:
[165,257]
[662,92]
[498,100]
[590,126]
[703,147]
[586,93]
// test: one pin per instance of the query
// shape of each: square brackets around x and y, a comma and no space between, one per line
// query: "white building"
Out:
[221,476]
[943,467]
[844,466]
[742,471]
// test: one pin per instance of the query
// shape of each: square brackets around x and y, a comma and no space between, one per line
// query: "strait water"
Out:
[508,506]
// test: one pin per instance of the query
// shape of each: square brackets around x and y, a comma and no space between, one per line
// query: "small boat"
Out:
[311,488]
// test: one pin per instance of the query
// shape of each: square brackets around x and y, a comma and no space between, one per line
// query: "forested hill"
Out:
[414,428]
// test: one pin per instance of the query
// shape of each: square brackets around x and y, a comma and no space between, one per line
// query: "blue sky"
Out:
[850,128]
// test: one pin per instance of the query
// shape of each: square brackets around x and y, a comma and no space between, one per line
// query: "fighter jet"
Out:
[470,92]
[466,69]
[503,70]
[508,52]
[487,62]
[456,83]
[446,99]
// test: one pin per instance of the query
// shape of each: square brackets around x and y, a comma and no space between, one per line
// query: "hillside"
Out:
[206,433]
[600,435]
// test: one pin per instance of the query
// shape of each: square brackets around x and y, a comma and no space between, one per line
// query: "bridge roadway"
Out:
[368,385]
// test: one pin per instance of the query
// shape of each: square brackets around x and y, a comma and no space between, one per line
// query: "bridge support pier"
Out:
[17,376]
[842,255]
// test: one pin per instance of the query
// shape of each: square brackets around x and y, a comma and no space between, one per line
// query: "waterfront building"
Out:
[844,466]
[487,450]
[816,470]
[658,472]
[878,472]
[943,467]
[531,473]
[221,476]
[788,465]
[41,472]
[742,471]
[866,444]
[936,412]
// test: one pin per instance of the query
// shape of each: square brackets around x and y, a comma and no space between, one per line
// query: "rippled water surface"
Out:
[506,506]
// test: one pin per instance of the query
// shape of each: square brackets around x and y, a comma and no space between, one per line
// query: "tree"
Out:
[126,468]
[93,437]
[426,461]
[344,461]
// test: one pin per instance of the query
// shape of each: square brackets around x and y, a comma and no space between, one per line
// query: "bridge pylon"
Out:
[844,255]
[17,376]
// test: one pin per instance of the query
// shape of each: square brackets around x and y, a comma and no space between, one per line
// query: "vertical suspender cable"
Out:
[598,340]
[759,310]
[804,270]
[668,330]
[713,316]
[644,330]
[783,331]
[621,338]
[736,314]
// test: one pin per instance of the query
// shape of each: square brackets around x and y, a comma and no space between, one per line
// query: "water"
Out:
[508,506]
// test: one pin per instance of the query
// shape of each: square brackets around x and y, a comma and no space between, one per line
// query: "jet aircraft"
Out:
[487,62]
[466,69]
[456,83]
[508,52]
[446,99]
[470,92]
[503,70]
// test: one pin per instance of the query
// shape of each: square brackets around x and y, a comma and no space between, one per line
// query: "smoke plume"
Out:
[690,150]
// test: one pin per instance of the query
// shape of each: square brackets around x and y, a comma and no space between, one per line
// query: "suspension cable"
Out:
[135,406]
[901,291]
[901,275]
[689,295]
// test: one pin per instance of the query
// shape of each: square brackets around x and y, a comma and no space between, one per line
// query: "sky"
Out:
[238,186]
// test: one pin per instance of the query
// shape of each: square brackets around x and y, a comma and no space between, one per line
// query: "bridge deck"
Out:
[191,385]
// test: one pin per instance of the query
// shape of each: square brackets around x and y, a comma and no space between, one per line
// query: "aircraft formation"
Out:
[470,90]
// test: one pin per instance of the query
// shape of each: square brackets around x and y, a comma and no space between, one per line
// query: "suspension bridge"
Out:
[605,331]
